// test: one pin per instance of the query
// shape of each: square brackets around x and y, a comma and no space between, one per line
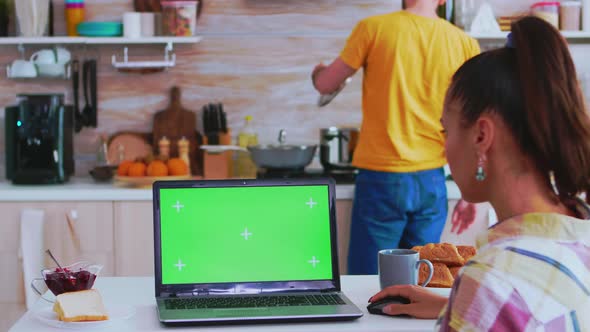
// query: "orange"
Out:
[157,168]
[137,169]
[123,169]
[177,166]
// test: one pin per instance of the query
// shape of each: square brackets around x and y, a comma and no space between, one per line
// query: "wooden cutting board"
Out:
[174,123]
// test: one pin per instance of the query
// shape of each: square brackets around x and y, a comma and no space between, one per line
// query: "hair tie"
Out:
[510,41]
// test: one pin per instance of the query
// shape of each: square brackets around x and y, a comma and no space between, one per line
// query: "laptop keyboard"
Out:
[253,301]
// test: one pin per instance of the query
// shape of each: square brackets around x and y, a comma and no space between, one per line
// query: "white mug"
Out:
[45,56]
[23,68]
[148,26]
[54,55]
[63,55]
[132,24]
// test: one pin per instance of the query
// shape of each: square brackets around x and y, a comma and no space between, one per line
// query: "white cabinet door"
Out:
[87,236]
[11,273]
[134,239]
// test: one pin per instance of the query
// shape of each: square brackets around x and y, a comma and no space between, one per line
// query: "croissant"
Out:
[466,252]
[447,260]
[455,270]
[445,253]
[441,278]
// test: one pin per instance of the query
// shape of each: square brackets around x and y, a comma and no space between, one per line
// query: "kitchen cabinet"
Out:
[134,238]
[343,214]
[90,238]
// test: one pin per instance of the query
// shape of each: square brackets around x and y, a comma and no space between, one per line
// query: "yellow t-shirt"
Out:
[408,63]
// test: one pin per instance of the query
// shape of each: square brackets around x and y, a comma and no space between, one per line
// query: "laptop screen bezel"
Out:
[165,290]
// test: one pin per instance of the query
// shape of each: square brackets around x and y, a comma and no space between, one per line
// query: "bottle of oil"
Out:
[245,167]
[446,11]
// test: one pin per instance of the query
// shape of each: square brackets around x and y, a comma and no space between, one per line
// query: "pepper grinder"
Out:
[183,147]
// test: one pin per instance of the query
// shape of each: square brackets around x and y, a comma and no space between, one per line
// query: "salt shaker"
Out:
[164,147]
[183,147]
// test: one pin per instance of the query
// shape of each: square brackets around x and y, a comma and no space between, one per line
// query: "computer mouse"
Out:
[376,307]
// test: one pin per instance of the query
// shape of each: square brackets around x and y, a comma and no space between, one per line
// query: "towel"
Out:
[31,250]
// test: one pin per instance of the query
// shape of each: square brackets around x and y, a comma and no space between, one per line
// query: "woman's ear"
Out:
[484,131]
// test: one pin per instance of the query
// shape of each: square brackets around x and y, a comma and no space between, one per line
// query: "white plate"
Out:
[440,291]
[116,313]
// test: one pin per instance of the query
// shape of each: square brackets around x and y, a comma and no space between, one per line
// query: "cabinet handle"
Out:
[73,234]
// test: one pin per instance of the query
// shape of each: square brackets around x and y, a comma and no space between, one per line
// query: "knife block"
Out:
[218,165]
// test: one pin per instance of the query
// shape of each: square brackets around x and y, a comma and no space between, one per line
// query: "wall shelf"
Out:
[572,36]
[97,40]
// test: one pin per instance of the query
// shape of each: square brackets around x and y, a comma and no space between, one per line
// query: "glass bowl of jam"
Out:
[75,277]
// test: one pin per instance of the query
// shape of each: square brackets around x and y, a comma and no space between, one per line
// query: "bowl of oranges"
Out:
[142,173]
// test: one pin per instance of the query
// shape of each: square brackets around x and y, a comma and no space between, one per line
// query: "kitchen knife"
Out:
[214,134]
[223,118]
[93,115]
[324,100]
[76,87]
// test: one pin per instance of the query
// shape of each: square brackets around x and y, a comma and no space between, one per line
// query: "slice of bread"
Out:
[80,306]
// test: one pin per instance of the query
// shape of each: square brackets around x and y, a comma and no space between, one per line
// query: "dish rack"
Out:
[126,65]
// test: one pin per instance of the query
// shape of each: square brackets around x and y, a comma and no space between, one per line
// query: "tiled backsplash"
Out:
[255,57]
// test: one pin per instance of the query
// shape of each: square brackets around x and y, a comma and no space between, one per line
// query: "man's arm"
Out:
[326,79]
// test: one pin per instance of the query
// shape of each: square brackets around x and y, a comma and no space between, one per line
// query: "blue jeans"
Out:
[394,210]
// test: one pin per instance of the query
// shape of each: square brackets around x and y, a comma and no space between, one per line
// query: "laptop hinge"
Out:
[329,290]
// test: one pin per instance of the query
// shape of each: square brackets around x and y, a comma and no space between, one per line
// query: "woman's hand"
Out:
[424,303]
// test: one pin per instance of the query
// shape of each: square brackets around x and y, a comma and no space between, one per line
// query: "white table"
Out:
[138,292]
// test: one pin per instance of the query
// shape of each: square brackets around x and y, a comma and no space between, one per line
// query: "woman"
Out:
[518,136]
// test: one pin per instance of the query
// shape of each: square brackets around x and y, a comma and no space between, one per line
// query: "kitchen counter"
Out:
[85,189]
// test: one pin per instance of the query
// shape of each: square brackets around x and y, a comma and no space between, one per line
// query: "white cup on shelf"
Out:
[148,25]
[44,56]
[22,69]
[132,24]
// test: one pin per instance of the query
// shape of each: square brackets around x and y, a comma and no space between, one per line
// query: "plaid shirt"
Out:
[532,273]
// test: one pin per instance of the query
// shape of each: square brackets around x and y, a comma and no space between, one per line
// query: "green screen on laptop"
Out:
[245,234]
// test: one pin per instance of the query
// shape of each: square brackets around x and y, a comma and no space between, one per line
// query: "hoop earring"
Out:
[480,175]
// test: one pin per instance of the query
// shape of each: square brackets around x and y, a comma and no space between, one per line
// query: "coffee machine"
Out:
[39,138]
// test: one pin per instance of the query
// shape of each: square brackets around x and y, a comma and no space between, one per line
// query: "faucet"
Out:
[282,136]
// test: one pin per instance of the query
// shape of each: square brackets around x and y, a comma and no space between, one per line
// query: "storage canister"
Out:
[179,18]
[549,11]
[569,15]
[74,16]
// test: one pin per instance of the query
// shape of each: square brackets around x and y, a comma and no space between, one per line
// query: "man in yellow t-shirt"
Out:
[408,58]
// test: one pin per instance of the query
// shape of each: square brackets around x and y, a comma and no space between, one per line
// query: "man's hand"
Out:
[463,216]
[318,68]
[327,79]
[424,303]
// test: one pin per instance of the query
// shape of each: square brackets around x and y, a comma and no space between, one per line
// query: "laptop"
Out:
[233,251]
